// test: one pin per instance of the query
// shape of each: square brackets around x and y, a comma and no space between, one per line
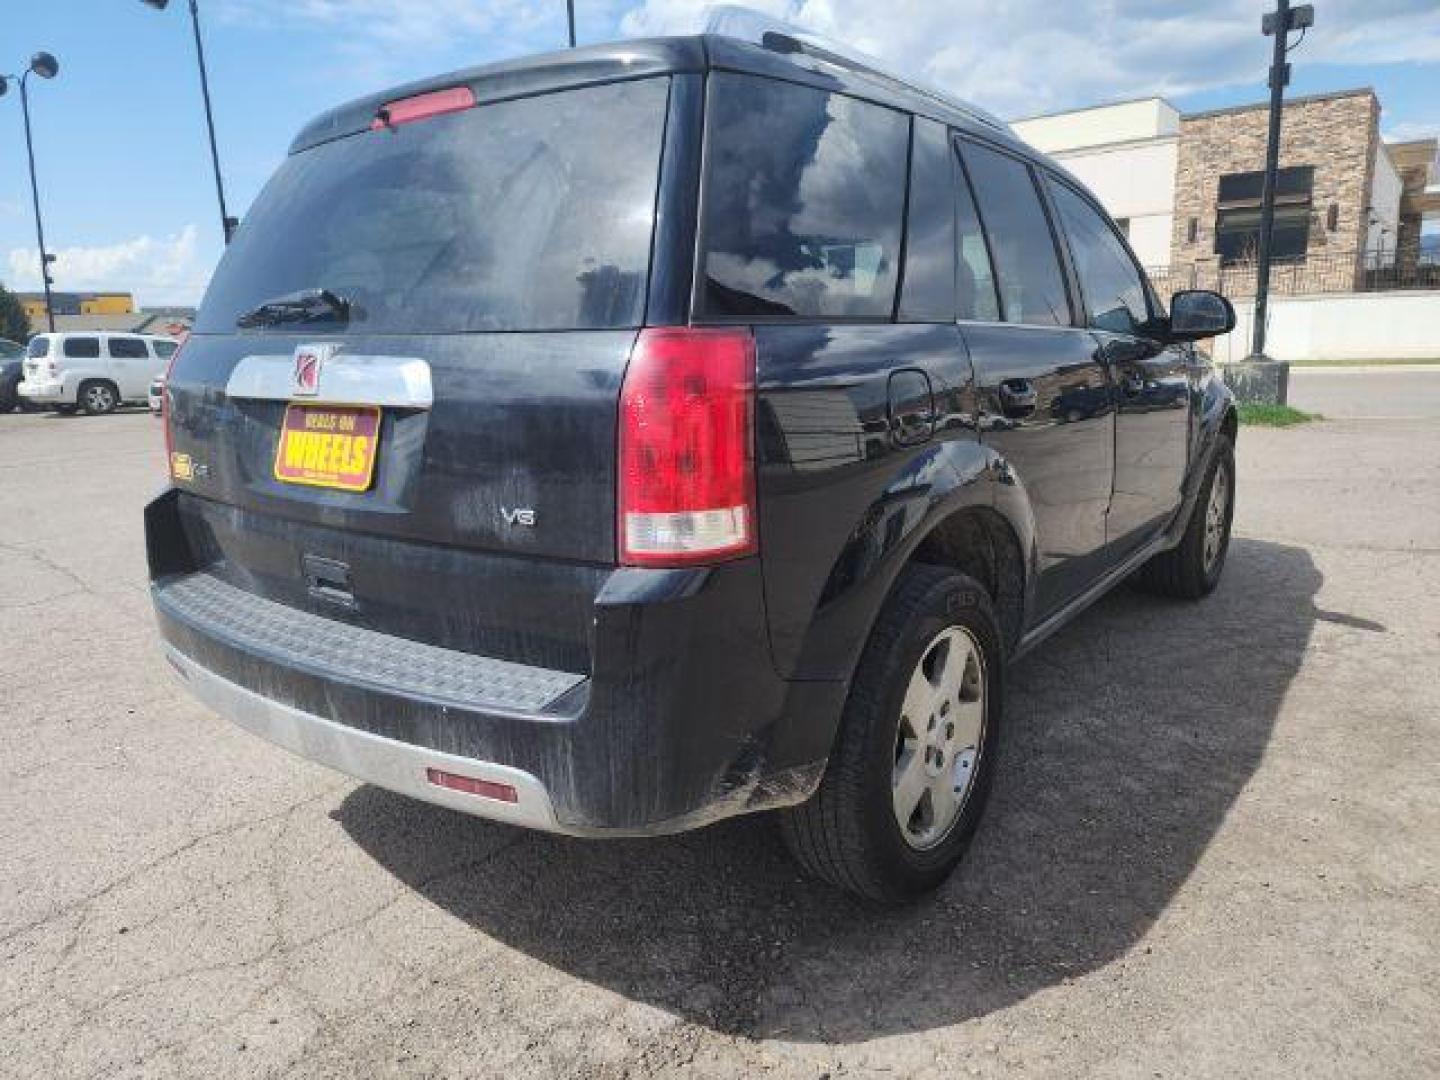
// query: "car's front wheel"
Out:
[910,771]
[1192,569]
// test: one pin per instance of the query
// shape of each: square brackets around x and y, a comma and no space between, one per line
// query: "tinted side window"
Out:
[975,277]
[82,348]
[928,294]
[164,349]
[1032,288]
[1113,289]
[804,195]
[128,348]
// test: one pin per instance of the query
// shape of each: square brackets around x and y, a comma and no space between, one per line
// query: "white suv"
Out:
[93,371]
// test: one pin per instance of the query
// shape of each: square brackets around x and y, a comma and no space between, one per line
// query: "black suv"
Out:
[614,441]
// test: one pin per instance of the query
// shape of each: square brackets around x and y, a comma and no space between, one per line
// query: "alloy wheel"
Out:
[99,398]
[940,738]
[1217,512]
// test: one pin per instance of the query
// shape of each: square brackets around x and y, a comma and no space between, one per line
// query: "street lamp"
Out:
[1274,382]
[227,223]
[46,66]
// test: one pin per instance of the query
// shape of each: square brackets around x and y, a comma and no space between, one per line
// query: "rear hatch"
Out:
[447,469]
[36,364]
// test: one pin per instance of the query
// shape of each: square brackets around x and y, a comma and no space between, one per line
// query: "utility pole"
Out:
[1276,24]
[570,14]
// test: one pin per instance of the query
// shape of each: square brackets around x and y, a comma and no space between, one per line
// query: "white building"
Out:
[1127,155]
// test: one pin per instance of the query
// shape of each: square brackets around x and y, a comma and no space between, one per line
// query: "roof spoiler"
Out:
[776,35]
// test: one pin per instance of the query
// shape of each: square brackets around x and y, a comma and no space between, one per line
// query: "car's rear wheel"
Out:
[1192,569]
[98,397]
[911,767]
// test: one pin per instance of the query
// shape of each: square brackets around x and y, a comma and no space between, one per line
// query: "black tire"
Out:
[848,833]
[98,397]
[1183,572]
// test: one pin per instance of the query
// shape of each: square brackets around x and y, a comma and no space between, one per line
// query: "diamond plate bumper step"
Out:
[354,654]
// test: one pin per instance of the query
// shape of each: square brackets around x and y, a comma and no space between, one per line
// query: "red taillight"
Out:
[165,413]
[486,789]
[422,106]
[687,459]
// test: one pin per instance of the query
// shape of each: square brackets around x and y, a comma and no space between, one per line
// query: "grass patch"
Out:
[1275,416]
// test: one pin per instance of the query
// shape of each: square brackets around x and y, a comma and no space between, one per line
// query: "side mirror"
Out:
[1199,313]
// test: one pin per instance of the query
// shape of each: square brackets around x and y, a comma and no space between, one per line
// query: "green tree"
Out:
[14,323]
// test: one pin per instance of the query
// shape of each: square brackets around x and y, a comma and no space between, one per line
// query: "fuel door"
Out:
[912,407]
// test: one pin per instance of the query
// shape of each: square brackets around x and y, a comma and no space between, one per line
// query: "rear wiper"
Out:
[307,305]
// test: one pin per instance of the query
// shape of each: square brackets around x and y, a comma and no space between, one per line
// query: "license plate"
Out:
[329,446]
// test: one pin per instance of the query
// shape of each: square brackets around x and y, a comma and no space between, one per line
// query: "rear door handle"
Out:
[1017,398]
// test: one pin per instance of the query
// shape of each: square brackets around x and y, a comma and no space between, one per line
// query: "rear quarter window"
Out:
[533,214]
[164,349]
[804,196]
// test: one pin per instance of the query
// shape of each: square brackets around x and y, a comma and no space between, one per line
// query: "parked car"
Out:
[97,372]
[12,358]
[612,479]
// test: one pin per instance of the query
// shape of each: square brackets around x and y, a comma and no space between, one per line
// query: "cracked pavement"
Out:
[1214,848]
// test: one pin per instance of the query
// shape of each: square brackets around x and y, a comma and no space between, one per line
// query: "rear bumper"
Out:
[377,760]
[680,720]
[43,390]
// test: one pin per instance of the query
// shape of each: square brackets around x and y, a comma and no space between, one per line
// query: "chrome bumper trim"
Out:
[375,759]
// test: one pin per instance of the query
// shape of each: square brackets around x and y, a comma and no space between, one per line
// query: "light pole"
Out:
[570,14]
[1278,24]
[47,67]
[227,223]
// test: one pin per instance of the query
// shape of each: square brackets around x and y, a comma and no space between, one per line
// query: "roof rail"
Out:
[734,21]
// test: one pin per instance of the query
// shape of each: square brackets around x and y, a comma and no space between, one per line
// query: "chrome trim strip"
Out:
[346,379]
[375,759]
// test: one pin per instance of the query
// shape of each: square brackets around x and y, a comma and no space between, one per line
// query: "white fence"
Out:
[1341,326]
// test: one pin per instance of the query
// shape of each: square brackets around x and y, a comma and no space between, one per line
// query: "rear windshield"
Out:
[533,214]
[39,346]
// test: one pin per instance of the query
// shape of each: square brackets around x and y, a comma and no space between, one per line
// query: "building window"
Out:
[1237,217]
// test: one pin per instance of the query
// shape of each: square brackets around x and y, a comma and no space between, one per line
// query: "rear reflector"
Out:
[486,789]
[423,106]
[180,467]
[687,461]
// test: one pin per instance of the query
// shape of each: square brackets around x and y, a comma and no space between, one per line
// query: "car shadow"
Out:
[1130,734]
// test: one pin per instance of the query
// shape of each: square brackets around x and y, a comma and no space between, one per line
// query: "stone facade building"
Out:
[1419,231]
[1187,189]
[1337,197]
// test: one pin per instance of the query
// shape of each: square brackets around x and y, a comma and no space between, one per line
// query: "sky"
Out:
[127,191]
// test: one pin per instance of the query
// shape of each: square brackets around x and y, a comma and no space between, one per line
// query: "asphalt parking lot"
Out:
[1214,849]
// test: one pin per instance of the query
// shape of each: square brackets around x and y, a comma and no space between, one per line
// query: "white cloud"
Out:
[1021,59]
[1405,130]
[168,270]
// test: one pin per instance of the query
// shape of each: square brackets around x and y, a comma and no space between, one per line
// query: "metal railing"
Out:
[1317,272]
